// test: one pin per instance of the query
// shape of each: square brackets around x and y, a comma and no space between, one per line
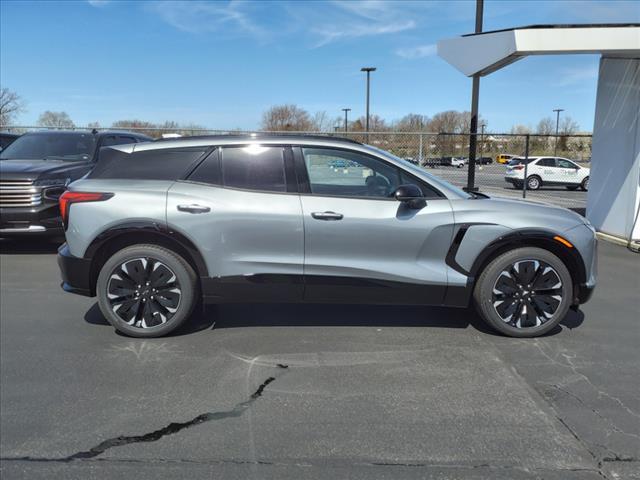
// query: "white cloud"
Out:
[417,52]
[201,16]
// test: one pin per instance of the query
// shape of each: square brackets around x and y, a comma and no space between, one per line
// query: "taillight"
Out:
[518,167]
[68,198]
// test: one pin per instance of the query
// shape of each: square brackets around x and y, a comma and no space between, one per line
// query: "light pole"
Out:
[346,111]
[368,70]
[473,127]
[557,110]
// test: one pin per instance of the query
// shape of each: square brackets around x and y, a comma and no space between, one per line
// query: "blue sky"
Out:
[221,64]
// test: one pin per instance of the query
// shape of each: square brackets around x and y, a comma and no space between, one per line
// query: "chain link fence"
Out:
[551,180]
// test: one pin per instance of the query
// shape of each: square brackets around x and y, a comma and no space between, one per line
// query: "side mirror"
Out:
[410,195]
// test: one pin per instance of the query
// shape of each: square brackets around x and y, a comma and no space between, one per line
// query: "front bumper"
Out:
[41,220]
[76,273]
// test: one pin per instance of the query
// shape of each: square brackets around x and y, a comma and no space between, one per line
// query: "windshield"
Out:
[421,171]
[51,146]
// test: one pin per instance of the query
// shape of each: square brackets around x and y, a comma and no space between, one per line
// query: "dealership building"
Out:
[613,200]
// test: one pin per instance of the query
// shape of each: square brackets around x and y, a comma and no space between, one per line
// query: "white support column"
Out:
[614,191]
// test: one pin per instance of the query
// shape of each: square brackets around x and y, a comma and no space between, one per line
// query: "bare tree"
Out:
[286,118]
[55,119]
[568,126]
[141,126]
[10,106]
[412,122]
[321,122]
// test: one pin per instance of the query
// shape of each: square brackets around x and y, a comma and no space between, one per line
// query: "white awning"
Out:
[486,52]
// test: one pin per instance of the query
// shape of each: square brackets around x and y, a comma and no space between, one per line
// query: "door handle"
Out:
[194,208]
[327,216]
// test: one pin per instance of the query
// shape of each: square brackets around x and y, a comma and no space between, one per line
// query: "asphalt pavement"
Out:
[315,391]
[490,180]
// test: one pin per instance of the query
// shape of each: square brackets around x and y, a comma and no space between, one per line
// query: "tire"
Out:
[149,312]
[534,182]
[572,187]
[502,302]
[585,184]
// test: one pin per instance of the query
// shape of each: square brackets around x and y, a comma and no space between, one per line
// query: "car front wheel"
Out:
[146,291]
[585,184]
[524,292]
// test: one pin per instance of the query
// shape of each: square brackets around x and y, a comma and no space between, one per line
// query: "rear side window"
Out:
[111,140]
[164,164]
[253,168]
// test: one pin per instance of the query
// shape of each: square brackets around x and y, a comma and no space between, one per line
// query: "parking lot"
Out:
[490,180]
[293,391]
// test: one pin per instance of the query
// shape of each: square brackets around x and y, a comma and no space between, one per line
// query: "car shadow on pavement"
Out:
[29,246]
[333,315]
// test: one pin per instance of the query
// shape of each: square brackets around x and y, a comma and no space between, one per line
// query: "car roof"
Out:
[231,139]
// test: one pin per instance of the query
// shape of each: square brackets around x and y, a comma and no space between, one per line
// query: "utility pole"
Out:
[475,92]
[346,111]
[482,126]
[557,110]
[368,70]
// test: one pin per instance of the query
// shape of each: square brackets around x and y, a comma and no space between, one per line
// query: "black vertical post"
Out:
[473,129]
[526,165]
[346,110]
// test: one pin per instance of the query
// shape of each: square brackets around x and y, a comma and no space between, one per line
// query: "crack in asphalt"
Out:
[156,435]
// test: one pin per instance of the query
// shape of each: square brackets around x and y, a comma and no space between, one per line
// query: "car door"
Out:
[241,209]
[568,171]
[362,245]
[546,168]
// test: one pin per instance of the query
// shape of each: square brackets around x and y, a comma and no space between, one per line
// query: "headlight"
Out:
[52,182]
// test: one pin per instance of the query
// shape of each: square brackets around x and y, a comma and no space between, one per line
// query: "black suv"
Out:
[37,167]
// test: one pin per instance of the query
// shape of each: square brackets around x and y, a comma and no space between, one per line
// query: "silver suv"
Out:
[157,227]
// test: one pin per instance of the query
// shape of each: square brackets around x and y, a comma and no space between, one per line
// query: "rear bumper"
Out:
[76,273]
[513,180]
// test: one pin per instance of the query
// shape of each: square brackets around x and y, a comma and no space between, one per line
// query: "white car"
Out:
[546,171]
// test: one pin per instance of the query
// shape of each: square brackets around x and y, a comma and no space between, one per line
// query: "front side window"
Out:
[349,174]
[254,167]
[562,163]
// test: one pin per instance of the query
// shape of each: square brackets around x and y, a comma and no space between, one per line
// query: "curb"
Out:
[617,240]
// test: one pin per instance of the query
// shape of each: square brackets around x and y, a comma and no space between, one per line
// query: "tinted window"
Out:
[165,164]
[547,162]
[54,146]
[349,174]
[111,140]
[208,171]
[254,168]
[520,160]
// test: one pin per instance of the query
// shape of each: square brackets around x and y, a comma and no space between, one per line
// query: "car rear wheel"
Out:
[146,291]
[524,292]
[534,182]
[585,184]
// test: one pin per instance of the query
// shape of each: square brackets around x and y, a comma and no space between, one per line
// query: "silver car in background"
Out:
[157,227]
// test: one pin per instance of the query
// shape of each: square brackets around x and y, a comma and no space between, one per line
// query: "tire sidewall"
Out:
[183,272]
[534,178]
[484,291]
[585,184]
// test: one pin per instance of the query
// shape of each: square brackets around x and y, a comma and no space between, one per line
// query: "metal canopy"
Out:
[486,52]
